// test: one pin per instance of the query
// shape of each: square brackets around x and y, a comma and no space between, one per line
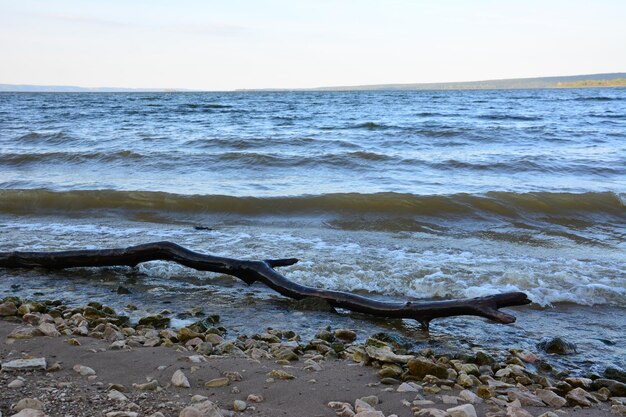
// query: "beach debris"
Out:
[180,380]
[33,364]
[263,272]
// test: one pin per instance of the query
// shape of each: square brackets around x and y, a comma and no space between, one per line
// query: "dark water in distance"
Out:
[424,194]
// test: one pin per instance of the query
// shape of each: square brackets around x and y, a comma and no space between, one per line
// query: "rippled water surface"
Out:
[427,194]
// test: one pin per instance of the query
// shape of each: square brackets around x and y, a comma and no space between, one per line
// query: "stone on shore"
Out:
[34,364]
[24,332]
[31,403]
[203,409]
[280,374]
[420,367]
[617,388]
[8,308]
[557,345]
[385,354]
[465,410]
[180,380]
[147,386]
[551,398]
[16,383]
[83,370]
[116,395]
[49,329]
[579,396]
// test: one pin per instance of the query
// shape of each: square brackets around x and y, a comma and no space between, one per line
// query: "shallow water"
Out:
[393,194]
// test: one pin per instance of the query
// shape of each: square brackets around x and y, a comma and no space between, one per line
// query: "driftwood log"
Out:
[264,272]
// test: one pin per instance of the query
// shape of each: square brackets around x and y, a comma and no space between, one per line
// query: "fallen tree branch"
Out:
[264,272]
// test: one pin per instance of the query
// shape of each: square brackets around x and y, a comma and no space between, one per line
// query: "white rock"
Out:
[180,380]
[342,409]
[203,409]
[465,410]
[83,370]
[197,359]
[35,364]
[116,395]
[16,383]
[360,405]
[197,398]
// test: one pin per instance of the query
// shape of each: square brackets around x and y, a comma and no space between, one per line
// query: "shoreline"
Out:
[329,368]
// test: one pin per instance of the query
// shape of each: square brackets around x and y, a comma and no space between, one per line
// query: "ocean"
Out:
[394,194]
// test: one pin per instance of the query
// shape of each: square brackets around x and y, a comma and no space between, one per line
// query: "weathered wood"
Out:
[264,272]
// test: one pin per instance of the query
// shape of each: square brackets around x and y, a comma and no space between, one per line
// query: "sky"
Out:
[235,44]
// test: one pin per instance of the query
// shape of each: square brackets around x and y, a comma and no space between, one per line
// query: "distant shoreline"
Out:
[609,80]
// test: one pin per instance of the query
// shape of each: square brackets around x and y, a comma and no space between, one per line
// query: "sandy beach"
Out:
[96,368]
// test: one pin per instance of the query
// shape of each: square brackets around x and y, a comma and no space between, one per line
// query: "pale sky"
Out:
[230,44]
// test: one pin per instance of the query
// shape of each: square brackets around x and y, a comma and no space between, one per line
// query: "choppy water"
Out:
[419,194]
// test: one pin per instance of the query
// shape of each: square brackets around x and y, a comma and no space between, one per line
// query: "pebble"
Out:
[116,395]
[122,414]
[180,380]
[239,405]
[83,370]
[449,399]
[197,398]
[34,364]
[16,383]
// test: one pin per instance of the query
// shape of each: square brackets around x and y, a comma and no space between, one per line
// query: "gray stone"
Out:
[525,398]
[557,345]
[29,412]
[35,364]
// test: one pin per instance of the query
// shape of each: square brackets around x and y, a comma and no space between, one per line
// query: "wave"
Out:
[511,117]
[488,205]
[54,138]
[18,159]
[598,98]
